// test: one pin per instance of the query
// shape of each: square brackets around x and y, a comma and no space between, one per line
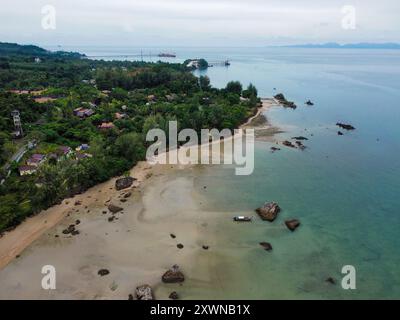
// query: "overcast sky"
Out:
[198,22]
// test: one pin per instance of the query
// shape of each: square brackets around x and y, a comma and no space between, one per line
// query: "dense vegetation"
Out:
[148,95]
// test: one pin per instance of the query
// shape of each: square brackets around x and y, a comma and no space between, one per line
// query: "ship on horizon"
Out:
[167,55]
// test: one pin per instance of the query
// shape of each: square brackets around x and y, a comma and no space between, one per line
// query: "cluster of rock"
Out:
[282,100]
[72,229]
[297,144]
[269,212]
[289,144]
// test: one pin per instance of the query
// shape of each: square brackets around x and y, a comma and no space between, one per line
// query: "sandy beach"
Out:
[136,247]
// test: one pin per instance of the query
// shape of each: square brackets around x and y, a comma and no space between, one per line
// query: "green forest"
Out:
[67,100]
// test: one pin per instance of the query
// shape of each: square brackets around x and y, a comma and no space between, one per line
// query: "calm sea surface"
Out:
[344,189]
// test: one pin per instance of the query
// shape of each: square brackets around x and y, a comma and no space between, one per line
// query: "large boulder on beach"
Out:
[144,293]
[124,183]
[269,211]
[114,209]
[292,224]
[173,275]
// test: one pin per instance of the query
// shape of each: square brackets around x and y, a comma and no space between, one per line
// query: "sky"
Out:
[198,22]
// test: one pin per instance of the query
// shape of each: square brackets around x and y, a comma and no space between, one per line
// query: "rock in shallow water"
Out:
[266,245]
[292,224]
[269,211]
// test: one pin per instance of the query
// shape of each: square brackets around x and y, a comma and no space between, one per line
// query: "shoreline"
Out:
[14,242]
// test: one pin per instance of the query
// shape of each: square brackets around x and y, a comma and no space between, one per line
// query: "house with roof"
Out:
[36,160]
[64,152]
[27,170]
[120,116]
[82,156]
[83,147]
[106,126]
[83,112]
[44,99]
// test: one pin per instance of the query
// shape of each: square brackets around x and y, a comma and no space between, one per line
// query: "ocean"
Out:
[343,189]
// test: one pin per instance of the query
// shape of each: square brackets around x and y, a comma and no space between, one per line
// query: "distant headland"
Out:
[361,45]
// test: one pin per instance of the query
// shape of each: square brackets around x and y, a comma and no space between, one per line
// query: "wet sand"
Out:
[136,247]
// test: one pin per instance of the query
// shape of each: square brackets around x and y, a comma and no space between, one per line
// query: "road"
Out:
[15,157]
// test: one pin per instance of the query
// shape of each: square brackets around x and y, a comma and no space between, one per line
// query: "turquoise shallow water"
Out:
[344,189]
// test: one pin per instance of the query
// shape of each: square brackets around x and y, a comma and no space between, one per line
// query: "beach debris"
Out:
[206,247]
[180,246]
[330,280]
[78,203]
[309,103]
[77,222]
[292,224]
[345,126]
[340,133]
[124,183]
[174,296]
[266,245]
[242,219]
[127,195]
[144,292]
[114,209]
[300,138]
[103,272]
[172,236]
[111,219]
[173,275]
[273,149]
[288,144]
[282,100]
[70,230]
[269,211]
[104,212]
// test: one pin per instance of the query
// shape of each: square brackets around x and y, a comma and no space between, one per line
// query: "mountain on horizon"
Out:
[361,45]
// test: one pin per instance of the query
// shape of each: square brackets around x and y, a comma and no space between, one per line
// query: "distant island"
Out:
[334,45]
